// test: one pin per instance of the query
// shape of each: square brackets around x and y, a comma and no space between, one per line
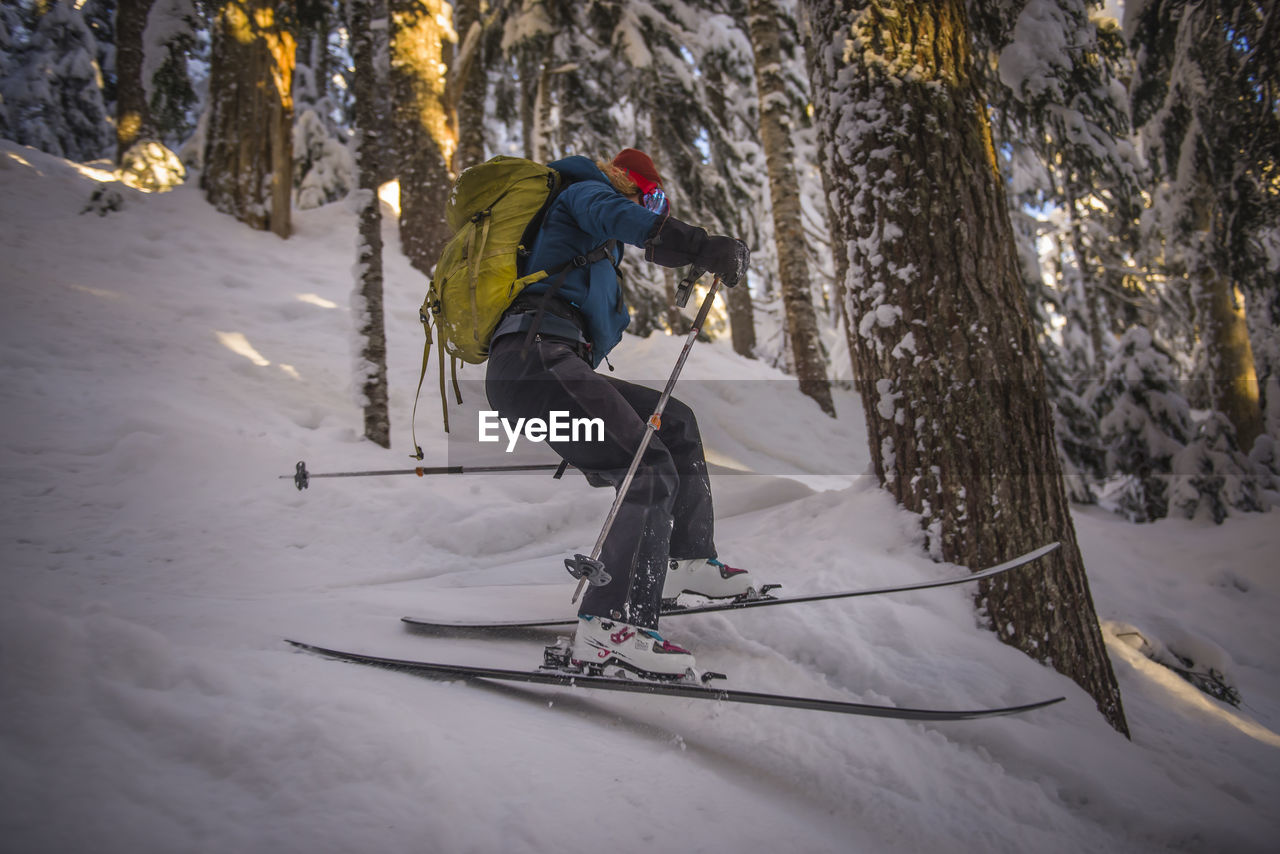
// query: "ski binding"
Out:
[558,658]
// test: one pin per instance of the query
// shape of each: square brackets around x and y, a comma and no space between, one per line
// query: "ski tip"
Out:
[1044,550]
[1044,703]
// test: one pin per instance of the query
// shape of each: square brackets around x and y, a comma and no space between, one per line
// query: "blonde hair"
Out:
[618,178]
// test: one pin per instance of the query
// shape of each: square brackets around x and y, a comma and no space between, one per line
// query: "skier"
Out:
[542,359]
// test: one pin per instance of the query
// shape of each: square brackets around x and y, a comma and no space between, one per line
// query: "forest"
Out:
[1040,239]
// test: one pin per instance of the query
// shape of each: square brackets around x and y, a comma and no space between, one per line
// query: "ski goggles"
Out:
[651,195]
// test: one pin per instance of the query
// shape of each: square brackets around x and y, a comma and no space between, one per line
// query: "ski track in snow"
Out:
[163,366]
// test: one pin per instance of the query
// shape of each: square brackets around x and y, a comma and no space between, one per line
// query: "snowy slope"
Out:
[163,366]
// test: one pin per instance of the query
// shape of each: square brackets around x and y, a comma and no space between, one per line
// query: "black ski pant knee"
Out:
[667,511]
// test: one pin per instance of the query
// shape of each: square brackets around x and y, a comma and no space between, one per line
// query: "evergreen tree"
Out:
[324,169]
[311,74]
[953,387]
[54,91]
[1205,101]
[737,158]
[1207,474]
[10,26]
[1144,422]
[100,17]
[670,112]
[171,42]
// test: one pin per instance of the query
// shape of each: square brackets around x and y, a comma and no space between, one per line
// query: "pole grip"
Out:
[686,285]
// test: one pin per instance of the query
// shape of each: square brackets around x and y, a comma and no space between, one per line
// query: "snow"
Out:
[164,369]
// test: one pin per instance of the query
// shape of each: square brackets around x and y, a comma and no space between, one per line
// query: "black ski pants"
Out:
[666,514]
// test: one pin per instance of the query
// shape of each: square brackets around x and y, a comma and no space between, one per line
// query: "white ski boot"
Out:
[602,646]
[706,577]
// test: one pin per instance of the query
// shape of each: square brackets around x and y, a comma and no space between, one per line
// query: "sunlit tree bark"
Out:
[249,151]
[426,132]
[1233,381]
[950,375]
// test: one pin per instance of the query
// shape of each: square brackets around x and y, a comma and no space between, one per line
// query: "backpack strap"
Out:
[422,374]
[479,243]
[560,273]
[426,356]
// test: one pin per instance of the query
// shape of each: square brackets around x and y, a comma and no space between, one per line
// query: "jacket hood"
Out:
[579,168]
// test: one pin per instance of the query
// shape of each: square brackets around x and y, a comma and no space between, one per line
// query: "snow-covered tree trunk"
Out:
[788,223]
[426,131]
[373,357]
[248,163]
[133,118]
[958,417]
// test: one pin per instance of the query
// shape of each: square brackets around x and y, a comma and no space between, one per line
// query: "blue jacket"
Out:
[587,213]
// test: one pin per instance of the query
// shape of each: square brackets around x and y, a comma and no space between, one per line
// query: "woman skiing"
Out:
[543,358]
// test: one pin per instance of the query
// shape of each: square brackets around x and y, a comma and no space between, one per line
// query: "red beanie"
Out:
[638,162]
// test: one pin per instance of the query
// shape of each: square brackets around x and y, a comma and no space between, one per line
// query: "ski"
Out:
[739,604]
[668,689]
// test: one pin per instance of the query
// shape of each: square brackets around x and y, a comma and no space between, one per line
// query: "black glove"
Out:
[728,257]
[677,244]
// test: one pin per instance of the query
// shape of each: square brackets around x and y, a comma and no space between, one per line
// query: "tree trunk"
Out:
[674,317]
[1231,381]
[425,129]
[377,421]
[1233,384]
[249,151]
[950,376]
[788,222]
[742,318]
[133,118]
[470,85]
[542,149]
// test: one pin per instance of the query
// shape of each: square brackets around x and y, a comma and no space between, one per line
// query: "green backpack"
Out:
[494,211]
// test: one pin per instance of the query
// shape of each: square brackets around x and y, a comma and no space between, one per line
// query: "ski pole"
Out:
[590,569]
[302,478]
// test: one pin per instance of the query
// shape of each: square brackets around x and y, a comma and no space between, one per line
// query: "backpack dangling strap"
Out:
[444,401]
[422,375]
[426,356]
